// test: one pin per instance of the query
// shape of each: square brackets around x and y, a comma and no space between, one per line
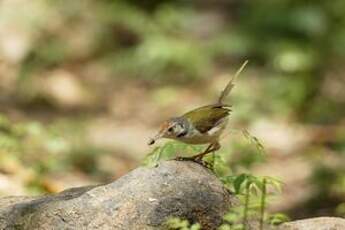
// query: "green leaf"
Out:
[231,217]
[196,226]
[278,218]
[276,183]
[152,159]
[238,227]
[177,223]
[254,140]
[238,182]
[224,227]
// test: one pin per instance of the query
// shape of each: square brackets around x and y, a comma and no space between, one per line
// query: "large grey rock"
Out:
[142,199]
[320,223]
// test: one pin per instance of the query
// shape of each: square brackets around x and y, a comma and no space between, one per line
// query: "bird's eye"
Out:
[170,129]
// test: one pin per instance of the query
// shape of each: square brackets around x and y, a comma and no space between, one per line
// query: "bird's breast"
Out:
[195,137]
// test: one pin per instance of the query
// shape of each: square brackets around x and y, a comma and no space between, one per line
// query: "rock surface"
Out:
[320,223]
[142,199]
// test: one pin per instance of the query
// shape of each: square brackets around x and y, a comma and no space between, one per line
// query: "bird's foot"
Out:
[206,164]
[196,159]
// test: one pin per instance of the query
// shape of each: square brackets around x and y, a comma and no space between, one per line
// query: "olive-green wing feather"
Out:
[205,118]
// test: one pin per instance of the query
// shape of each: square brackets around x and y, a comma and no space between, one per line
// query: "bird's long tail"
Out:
[231,84]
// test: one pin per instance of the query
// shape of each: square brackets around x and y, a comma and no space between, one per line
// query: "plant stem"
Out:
[263,204]
[213,160]
[246,204]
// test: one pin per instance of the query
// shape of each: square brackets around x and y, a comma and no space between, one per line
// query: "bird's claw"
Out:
[196,160]
[204,163]
[183,159]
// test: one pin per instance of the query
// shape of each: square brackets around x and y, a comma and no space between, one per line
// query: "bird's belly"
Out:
[211,136]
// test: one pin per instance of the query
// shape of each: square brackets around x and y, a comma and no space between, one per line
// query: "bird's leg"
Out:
[196,157]
[211,148]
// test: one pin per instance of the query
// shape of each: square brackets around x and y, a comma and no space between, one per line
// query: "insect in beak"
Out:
[154,139]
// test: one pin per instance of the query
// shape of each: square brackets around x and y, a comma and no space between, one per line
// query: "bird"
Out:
[203,125]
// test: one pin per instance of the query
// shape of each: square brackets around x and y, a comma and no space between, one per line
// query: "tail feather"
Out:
[231,84]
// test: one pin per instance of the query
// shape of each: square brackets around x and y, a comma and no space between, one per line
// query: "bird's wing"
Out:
[207,117]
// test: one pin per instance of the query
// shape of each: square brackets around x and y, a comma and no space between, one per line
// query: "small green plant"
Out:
[254,140]
[151,160]
[247,186]
[277,219]
[251,190]
[232,220]
[175,223]
[263,202]
[340,210]
[169,150]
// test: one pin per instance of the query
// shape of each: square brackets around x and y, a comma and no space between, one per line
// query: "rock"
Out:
[143,199]
[320,223]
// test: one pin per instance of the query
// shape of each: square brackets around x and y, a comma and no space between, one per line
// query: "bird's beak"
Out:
[154,139]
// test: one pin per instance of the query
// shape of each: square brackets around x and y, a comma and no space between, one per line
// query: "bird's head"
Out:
[173,128]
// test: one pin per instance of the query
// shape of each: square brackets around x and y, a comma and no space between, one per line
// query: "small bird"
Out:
[203,125]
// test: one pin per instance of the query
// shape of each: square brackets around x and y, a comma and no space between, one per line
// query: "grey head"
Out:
[173,128]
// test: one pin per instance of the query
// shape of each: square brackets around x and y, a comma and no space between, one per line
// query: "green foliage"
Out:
[277,219]
[233,220]
[170,150]
[172,41]
[152,159]
[252,190]
[178,224]
[340,210]
[254,140]
[299,36]
[247,187]
[61,146]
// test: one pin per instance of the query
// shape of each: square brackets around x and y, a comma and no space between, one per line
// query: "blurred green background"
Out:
[84,84]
